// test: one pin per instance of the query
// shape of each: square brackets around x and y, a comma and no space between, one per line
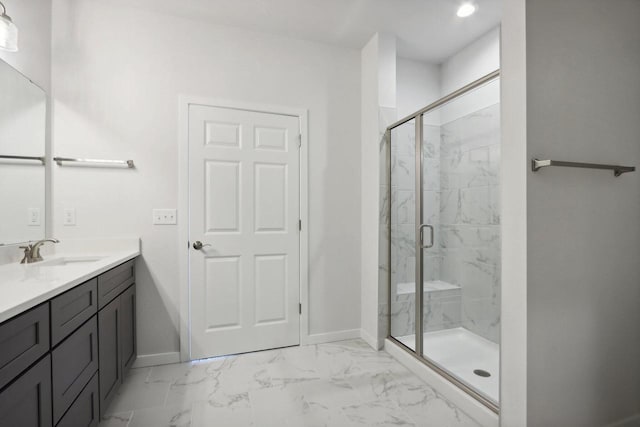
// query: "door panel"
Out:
[270,198]
[222,288]
[244,190]
[27,401]
[109,352]
[271,288]
[73,363]
[128,328]
[222,193]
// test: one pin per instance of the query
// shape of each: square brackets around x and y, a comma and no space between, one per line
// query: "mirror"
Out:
[23,109]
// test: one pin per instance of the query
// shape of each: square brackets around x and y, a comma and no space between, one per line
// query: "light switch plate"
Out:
[33,217]
[165,217]
[69,217]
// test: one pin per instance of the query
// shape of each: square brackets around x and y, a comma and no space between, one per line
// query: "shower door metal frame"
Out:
[419,295]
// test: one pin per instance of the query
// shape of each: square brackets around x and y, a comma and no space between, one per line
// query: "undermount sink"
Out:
[68,261]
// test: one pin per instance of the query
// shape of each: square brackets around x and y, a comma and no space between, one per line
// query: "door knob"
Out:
[197,245]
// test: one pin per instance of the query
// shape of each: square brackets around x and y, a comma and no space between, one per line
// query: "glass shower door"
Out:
[460,196]
[444,276]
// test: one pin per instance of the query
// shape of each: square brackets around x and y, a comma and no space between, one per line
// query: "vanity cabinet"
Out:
[61,363]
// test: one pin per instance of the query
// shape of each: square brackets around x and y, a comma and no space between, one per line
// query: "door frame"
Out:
[184,101]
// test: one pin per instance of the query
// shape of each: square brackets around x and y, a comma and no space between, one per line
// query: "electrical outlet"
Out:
[69,217]
[164,217]
[33,217]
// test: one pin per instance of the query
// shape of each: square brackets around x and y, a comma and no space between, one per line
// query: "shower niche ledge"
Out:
[428,287]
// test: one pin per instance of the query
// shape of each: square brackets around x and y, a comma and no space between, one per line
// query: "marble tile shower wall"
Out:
[470,216]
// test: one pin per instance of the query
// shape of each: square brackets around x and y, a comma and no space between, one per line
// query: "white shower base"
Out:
[460,352]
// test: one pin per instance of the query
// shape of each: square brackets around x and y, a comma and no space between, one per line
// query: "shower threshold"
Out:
[461,352]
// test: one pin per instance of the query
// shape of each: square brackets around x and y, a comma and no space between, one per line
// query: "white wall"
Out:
[117,74]
[418,84]
[583,104]
[513,170]
[378,103]
[469,64]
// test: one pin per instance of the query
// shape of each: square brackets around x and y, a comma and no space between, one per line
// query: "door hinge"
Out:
[299,225]
[300,308]
[299,140]
[188,244]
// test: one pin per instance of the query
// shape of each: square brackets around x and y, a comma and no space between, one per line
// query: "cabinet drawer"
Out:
[27,402]
[73,364]
[72,309]
[23,340]
[84,411]
[114,281]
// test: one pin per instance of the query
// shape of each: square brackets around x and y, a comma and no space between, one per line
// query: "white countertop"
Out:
[23,286]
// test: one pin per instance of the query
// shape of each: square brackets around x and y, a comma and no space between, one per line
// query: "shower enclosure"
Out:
[444,280]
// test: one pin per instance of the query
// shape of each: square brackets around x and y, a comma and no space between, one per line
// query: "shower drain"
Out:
[481,373]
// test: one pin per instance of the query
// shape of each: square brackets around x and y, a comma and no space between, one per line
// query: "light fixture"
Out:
[466,9]
[8,32]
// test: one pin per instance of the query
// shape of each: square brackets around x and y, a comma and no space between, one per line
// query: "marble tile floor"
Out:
[339,384]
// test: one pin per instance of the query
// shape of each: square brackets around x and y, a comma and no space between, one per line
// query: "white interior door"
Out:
[244,204]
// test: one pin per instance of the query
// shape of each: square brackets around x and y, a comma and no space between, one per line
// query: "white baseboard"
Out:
[145,360]
[633,421]
[449,391]
[372,341]
[348,334]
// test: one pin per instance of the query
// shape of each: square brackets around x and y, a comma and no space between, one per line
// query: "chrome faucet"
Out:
[32,251]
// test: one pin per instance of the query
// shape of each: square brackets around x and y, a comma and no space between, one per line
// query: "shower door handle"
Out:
[422,227]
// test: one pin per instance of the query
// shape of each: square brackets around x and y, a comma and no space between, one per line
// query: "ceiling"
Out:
[426,30]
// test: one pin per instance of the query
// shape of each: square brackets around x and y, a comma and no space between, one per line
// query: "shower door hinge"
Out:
[299,225]
[300,308]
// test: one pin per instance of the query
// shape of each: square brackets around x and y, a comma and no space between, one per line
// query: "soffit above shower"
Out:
[426,30]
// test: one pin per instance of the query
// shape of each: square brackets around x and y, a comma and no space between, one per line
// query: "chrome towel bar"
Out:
[617,170]
[127,163]
[37,159]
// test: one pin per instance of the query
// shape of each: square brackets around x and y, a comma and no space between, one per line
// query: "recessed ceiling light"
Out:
[466,9]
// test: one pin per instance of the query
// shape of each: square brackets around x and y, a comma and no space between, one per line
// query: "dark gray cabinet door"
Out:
[72,309]
[73,363]
[128,328]
[84,412]
[27,402]
[23,340]
[109,352]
